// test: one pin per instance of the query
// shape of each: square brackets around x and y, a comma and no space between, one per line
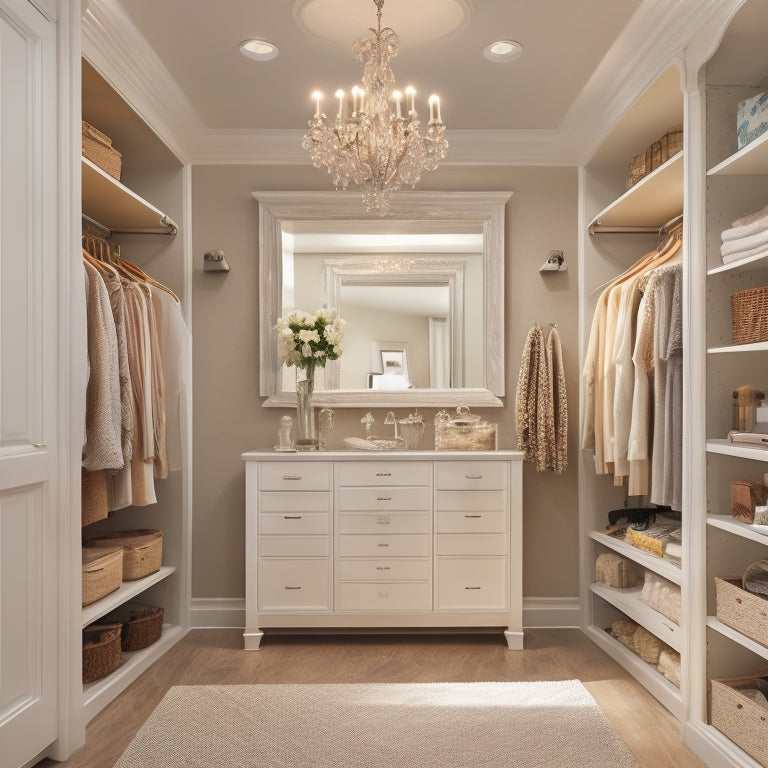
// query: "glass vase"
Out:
[306,428]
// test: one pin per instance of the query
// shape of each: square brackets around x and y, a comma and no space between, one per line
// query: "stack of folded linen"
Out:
[747,236]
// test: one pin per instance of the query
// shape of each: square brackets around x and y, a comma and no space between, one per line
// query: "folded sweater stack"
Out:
[747,236]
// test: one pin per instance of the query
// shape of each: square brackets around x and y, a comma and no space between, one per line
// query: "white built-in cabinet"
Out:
[620,226]
[139,213]
[734,183]
[389,540]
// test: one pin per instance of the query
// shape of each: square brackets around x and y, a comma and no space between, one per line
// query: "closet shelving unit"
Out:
[735,185]
[627,224]
[146,235]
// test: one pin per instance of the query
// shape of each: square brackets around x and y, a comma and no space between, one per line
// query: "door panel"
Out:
[28,383]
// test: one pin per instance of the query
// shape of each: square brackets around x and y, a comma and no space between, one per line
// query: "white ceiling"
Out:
[563,42]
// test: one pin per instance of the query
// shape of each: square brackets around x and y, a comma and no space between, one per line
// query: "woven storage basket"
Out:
[101,651]
[97,147]
[671,143]
[142,624]
[739,717]
[636,169]
[142,551]
[102,572]
[749,315]
[742,610]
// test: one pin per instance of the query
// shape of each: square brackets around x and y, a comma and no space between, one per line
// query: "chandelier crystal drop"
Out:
[373,140]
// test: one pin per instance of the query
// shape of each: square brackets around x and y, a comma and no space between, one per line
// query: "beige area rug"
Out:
[384,725]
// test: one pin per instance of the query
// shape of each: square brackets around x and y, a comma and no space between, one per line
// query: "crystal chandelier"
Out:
[370,141]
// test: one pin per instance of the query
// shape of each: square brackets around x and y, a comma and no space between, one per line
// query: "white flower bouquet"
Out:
[308,341]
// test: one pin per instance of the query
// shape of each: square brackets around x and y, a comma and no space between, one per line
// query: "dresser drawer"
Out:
[403,545]
[294,584]
[471,501]
[472,544]
[295,546]
[295,501]
[471,522]
[383,522]
[384,473]
[378,498]
[384,597]
[296,476]
[385,570]
[471,584]
[471,475]
[295,522]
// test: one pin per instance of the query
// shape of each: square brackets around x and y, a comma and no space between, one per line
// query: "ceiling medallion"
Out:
[376,139]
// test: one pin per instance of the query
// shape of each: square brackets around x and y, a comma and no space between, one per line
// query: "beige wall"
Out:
[229,419]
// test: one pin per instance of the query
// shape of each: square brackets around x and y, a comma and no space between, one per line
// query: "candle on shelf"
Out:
[410,91]
[317,96]
[397,96]
[340,96]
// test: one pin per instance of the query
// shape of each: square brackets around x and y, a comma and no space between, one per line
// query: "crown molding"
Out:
[655,38]
[113,45]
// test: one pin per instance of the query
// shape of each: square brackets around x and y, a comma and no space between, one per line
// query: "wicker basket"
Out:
[97,147]
[102,572]
[742,610]
[671,143]
[101,651]
[749,315]
[142,624]
[142,551]
[739,717]
[636,169]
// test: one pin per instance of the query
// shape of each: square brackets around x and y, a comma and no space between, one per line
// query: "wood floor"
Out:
[215,656]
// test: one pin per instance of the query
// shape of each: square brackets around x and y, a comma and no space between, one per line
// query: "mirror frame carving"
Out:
[275,208]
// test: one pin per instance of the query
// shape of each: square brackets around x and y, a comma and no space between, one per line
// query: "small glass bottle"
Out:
[285,434]
[324,427]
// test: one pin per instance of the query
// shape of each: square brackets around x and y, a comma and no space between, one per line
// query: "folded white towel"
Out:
[747,225]
[744,243]
[759,250]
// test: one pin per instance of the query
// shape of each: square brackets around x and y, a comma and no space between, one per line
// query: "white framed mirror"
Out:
[438,256]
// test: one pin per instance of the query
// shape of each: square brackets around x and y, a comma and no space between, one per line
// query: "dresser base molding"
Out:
[350,542]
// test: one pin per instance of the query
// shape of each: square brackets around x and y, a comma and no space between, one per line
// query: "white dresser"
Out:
[395,540]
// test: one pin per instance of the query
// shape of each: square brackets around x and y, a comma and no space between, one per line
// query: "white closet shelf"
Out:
[126,591]
[751,160]
[648,205]
[665,568]
[628,602]
[656,684]
[750,264]
[98,694]
[758,533]
[740,450]
[113,206]
[758,346]
[733,634]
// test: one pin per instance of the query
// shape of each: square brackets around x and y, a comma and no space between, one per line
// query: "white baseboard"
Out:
[550,612]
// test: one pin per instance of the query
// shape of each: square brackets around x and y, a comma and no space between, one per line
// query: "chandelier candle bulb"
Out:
[410,91]
[434,107]
[397,96]
[340,96]
[317,96]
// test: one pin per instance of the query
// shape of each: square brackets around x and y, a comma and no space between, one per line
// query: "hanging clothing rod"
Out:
[599,229]
[97,225]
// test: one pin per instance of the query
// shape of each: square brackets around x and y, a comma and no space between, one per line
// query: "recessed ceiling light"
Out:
[261,50]
[502,50]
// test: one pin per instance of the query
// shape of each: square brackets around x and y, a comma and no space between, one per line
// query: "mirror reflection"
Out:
[411,293]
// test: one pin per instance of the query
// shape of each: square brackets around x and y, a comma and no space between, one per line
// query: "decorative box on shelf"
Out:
[742,610]
[752,118]
[464,432]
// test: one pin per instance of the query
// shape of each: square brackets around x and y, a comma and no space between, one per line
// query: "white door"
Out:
[28,382]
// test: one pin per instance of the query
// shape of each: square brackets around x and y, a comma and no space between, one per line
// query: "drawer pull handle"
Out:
[383,568]
[383,594]
[472,587]
[383,474]
[293,587]
[291,517]
[472,517]
[383,521]
[383,498]
[382,545]
[473,477]
[291,477]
